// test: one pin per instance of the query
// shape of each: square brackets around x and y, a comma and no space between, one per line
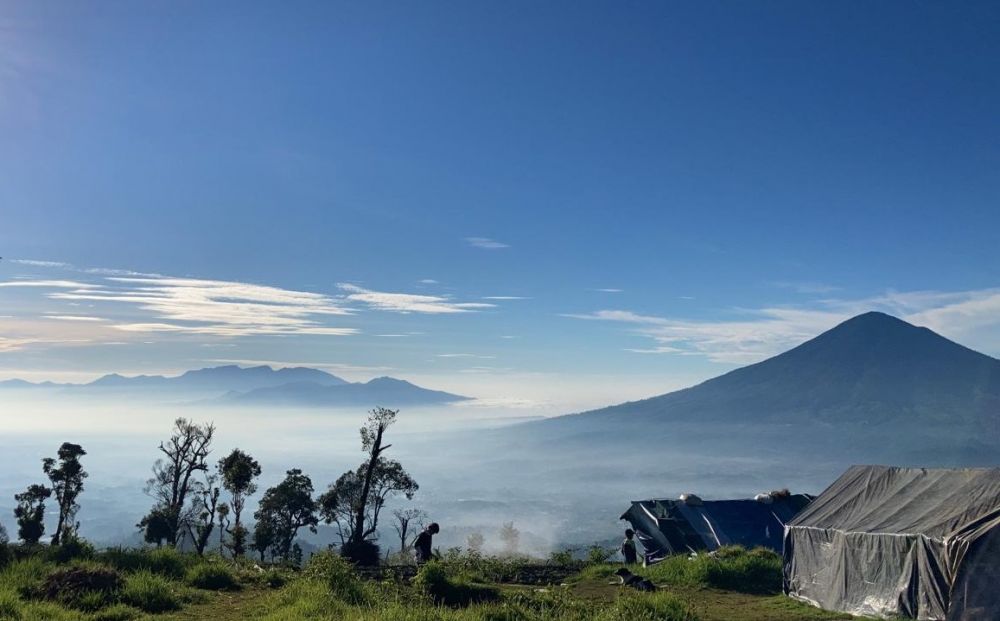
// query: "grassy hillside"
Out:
[78,584]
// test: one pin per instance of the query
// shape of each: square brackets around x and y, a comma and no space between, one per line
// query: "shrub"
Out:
[150,592]
[365,553]
[213,577]
[566,556]
[86,587]
[338,574]
[433,580]
[72,548]
[597,554]
[163,561]
[6,554]
[275,579]
[648,607]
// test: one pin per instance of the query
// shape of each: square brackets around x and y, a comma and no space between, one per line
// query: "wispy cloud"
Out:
[505,297]
[428,281]
[476,356]
[763,332]
[485,243]
[73,268]
[48,284]
[609,290]
[213,307]
[409,302]
[805,287]
[37,263]
[73,317]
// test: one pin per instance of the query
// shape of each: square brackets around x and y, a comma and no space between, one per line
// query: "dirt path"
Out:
[221,606]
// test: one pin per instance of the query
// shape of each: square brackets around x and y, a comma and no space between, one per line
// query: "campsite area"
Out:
[733,584]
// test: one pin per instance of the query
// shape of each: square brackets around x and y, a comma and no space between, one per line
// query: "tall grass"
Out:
[150,592]
[733,568]
[163,561]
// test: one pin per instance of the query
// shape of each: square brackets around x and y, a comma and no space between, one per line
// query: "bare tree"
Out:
[223,516]
[510,537]
[206,502]
[372,433]
[185,453]
[474,543]
[340,503]
[404,519]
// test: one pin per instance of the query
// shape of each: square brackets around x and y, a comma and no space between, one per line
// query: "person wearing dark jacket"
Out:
[628,547]
[422,545]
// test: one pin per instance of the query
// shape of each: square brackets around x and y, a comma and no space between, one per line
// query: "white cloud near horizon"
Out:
[409,302]
[485,243]
[764,332]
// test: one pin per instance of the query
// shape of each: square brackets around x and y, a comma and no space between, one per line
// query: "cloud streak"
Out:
[485,243]
[408,302]
[214,307]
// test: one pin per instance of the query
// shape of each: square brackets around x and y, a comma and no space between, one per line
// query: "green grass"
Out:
[164,561]
[150,592]
[216,576]
[731,568]
[159,585]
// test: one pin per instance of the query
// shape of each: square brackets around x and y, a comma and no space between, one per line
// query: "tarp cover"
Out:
[669,526]
[888,541]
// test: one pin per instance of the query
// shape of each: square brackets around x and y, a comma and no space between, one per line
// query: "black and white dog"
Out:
[636,582]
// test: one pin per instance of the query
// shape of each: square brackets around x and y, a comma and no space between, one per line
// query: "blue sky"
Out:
[670,189]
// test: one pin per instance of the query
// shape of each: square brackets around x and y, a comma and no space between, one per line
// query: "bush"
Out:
[86,587]
[433,580]
[72,548]
[150,592]
[597,554]
[566,556]
[338,574]
[213,577]
[364,554]
[648,607]
[275,579]
[163,561]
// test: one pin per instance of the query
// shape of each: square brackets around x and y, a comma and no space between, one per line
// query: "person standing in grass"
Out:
[628,547]
[422,545]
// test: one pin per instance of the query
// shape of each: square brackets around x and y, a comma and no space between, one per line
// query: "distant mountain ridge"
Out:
[233,384]
[871,369]
[380,389]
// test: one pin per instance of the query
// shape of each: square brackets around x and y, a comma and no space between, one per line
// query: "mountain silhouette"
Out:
[871,369]
[232,384]
[219,379]
[384,390]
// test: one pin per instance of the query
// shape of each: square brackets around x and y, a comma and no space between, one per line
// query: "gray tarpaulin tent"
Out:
[670,526]
[900,541]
